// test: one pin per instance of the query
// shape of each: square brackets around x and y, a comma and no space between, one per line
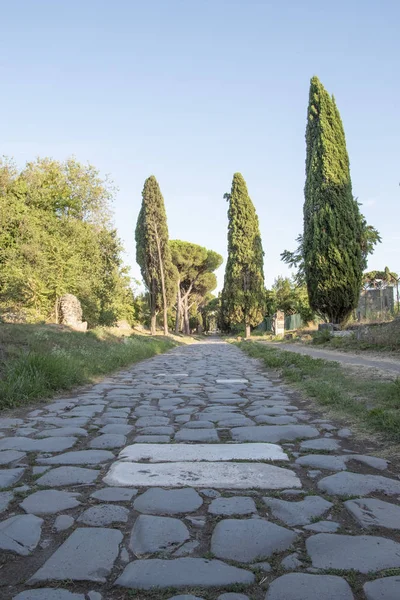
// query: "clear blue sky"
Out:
[192,91]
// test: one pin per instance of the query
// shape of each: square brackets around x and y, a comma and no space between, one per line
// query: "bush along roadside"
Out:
[372,404]
[38,361]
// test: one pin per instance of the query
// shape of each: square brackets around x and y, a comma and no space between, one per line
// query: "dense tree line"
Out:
[56,236]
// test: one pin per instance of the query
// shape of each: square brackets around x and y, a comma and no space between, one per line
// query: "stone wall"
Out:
[70,312]
[380,334]
[375,302]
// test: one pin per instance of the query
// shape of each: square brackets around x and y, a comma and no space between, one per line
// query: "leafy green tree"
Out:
[332,246]
[243,296]
[195,266]
[291,298]
[153,253]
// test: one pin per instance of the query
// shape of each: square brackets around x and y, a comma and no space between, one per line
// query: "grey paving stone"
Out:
[370,512]
[232,596]
[116,429]
[9,456]
[323,461]
[198,522]
[167,430]
[9,477]
[386,588]
[94,596]
[49,502]
[63,522]
[115,494]
[196,435]
[45,445]
[181,572]
[354,484]
[345,433]
[321,444]
[273,433]
[323,527]
[186,549]
[362,553]
[62,432]
[87,555]
[300,512]
[247,540]
[80,457]
[5,499]
[291,562]
[199,425]
[108,440]
[152,439]
[237,505]
[20,534]
[237,421]
[302,586]
[372,461]
[104,514]
[48,594]
[157,501]
[8,423]
[157,534]
[64,476]
[152,422]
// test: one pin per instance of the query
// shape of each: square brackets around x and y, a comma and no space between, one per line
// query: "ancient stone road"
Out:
[193,475]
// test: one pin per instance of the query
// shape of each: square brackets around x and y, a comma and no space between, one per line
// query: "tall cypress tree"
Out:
[333,231]
[243,296]
[152,250]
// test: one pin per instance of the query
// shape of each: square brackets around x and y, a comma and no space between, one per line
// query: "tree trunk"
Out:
[186,325]
[153,313]
[164,295]
[178,309]
[247,331]
[56,307]
[153,330]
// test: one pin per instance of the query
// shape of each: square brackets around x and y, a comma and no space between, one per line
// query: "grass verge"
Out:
[372,404]
[38,360]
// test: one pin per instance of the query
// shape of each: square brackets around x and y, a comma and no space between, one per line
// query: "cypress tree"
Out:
[243,296]
[333,232]
[152,251]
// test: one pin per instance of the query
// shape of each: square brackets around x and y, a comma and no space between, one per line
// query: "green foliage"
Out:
[243,296]
[56,237]
[153,253]
[38,361]
[196,279]
[333,232]
[290,297]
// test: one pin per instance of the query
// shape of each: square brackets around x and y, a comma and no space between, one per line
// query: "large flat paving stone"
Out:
[302,586]
[80,457]
[355,484]
[327,444]
[87,555]
[157,534]
[247,540]
[64,476]
[196,435]
[237,505]
[48,594]
[104,514]
[152,422]
[273,433]
[25,444]
[386,588]
[62,432]
[362,553]
[114,494]
[223,475]
[323,461]
[278,420]
[5,500]
[298,513]
[202,452]
[20,534]
[181,572]
[116,429]
[9,477]
[157,501]
[49,502]
[9,456]
[108,440]
[370,512]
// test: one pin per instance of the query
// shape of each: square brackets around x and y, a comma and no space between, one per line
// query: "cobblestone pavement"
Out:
[194,474]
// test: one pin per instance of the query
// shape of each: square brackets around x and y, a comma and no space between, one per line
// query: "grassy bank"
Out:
[37,361]
[372,404]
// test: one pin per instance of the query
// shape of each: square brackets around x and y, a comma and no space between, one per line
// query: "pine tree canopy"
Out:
[333,227]
[243,296]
